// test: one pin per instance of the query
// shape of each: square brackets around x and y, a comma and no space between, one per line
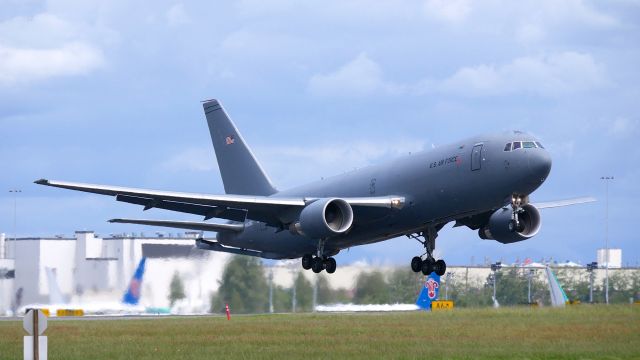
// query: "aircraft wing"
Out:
[566,202]
[270,209]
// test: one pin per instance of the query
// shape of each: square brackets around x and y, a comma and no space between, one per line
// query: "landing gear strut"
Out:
[429,264]
[320,261]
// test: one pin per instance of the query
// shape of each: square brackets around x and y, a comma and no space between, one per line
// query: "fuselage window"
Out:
[529,145]
[517,145]
[507,147]
[539,145]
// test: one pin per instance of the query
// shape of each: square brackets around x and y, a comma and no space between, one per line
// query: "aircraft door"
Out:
[476,157]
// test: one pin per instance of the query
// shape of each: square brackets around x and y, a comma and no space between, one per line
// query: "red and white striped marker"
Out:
[228,312]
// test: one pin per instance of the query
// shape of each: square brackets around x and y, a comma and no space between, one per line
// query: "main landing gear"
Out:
[429,264]
[319,262]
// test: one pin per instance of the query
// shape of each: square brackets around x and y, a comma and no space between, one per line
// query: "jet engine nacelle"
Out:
[324,218]
[501,228]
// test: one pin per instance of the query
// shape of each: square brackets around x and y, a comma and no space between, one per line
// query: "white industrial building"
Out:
[614,259]
[89,268]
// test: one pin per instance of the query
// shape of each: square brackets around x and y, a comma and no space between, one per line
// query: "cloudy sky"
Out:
[109,92]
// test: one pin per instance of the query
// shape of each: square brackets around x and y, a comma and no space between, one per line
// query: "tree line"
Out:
[245,287]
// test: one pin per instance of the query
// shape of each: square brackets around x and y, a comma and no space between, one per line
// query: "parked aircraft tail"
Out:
[132,296]
[557,294]
[430,292]
[241,173]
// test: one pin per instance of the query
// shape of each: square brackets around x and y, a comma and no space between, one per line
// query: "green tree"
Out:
[243,286]
[328,295]
[176,289]
[304,293]
[371,288]
[404,286]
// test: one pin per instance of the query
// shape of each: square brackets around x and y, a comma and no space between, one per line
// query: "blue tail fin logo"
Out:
[132,296]
[430,292]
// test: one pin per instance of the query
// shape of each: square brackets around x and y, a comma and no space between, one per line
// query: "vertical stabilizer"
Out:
[429,293]
[241,173]
[132,296]
[558,297]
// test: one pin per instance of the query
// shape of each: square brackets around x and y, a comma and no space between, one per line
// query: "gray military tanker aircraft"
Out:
[483,183]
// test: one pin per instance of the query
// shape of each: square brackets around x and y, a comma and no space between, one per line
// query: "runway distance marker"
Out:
[442,305]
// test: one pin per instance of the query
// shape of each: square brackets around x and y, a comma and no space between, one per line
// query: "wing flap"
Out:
[191,225]
[208,212]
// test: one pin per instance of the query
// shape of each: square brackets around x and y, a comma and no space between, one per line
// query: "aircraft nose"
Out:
[540,164]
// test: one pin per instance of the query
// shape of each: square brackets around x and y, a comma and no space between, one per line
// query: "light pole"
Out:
[530,276]
[15,213]
[495,267]
[271,290]
[448,278]
[606,180]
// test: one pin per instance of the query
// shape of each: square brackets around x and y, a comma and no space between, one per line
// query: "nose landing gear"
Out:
[429,264]
[517,201]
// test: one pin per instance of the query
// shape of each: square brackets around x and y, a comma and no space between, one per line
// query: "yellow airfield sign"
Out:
[69,312]
[442,305]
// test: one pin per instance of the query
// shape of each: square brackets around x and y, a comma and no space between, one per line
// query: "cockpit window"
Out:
[529,145]
[517,145]
[539,145]
[507,147]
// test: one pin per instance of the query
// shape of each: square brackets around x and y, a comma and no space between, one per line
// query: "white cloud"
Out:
[177,15]
[623,126]
[19,65]
[360,77]
[45,46]
[548,75]
[452,11]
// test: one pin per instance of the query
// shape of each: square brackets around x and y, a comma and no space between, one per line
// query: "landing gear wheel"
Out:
[416,264]
[318,265]
[307,261]
[440,267]
[330,265]
[427,266]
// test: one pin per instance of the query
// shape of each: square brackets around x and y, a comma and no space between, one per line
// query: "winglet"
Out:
[41,182]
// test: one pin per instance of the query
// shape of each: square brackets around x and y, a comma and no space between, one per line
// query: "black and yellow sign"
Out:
[442,305]
[69,312]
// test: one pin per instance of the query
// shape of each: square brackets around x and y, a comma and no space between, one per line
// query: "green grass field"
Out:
[576,332]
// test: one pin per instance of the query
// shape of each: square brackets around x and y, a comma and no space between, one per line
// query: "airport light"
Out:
[271,290]
[495,267]
[590,267]
[606,180]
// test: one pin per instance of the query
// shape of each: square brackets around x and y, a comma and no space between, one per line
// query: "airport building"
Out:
[614,259]
[88,268]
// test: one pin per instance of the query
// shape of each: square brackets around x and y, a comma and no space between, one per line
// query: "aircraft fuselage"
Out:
[440,185]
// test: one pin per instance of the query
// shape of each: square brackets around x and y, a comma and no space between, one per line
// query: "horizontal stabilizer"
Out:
[216,246]
[566,202]
[191,225]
